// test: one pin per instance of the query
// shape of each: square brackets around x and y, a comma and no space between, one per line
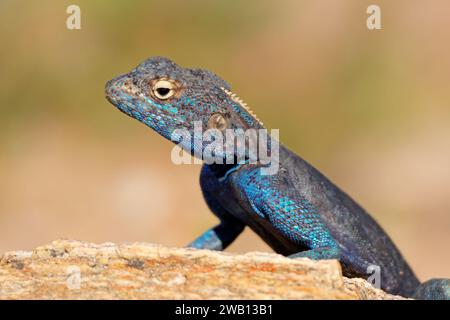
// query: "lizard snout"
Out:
[114,88]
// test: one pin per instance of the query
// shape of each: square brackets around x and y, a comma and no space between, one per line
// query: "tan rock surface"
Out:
[79,270]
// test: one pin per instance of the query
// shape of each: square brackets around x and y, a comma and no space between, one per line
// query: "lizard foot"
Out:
[325,253]
[434,289]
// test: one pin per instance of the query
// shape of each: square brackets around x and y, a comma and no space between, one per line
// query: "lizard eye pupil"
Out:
[163,89]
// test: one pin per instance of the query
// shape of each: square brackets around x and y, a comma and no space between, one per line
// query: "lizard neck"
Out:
[222,171]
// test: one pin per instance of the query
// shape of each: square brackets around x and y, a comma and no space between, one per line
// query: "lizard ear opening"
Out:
[218,121]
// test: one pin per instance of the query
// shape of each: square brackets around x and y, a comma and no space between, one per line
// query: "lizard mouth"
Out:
[112,90]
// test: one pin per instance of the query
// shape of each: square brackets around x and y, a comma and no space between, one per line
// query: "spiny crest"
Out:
[239,101]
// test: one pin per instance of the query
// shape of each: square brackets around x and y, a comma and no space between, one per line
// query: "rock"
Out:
[79,270]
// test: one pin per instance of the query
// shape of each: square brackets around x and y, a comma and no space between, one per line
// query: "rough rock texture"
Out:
[78,270]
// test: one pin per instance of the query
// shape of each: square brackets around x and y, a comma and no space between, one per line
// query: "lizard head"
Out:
[167,97]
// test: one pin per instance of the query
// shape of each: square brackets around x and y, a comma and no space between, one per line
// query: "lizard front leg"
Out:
[276,199]
[324,253]
[295,219]
[219,237]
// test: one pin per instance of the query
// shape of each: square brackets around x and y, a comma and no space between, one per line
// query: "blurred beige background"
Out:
[370,109]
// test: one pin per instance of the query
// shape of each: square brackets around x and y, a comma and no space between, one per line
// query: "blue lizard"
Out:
[297,211]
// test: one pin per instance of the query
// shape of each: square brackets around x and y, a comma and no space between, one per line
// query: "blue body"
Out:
[297,211]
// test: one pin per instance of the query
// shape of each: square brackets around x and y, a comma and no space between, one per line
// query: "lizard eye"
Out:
[163,89]
[218,121]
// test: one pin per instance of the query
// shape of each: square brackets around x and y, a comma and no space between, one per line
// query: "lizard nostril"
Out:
[109,88]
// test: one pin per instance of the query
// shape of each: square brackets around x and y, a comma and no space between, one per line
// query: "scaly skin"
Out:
[297,211]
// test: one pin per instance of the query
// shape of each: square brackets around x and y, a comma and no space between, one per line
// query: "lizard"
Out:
[297,211]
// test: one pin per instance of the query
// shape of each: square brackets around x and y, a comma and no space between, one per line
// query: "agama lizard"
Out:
[297,211]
